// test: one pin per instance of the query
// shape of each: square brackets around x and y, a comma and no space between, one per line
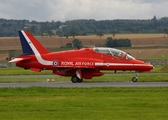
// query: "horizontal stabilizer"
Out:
[20,59]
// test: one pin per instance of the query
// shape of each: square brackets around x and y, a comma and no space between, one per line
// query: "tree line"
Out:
[84,27]
[110,42]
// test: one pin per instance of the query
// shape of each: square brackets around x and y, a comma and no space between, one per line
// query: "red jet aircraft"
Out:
[80,63]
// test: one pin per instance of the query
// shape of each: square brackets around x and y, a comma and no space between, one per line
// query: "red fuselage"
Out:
[65,62]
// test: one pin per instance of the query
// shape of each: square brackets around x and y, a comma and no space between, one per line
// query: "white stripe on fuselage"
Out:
[117,64]
[37,54]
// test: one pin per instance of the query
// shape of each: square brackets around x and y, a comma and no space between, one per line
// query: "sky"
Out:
[63,10]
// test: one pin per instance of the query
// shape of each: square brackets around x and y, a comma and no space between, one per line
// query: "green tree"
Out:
[165,32]
[113,33]
[77,43]
[117,43]
[59,33]
[100,33]
[154,22]
[69,45]
[73,33]
[42,33]
[50,33]
[109,42]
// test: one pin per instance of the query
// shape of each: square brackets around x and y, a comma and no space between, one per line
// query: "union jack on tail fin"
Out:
[30,44]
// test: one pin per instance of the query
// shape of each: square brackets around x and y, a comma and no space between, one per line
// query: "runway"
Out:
[87,85]
[84,84]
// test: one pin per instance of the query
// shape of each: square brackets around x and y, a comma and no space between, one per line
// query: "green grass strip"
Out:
[109,78]
[43,103]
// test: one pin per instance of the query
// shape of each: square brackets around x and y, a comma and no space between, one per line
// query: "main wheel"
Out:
[80,80]
[74,79]
[134,79]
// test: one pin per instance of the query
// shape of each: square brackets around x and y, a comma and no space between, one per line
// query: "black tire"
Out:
[74,79]
[80,80]
[134,79]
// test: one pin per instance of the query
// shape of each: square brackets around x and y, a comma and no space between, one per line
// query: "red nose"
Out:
[146,67]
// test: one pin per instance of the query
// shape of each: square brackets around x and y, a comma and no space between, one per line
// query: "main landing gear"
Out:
[134,79]
[78,78]
[75,79]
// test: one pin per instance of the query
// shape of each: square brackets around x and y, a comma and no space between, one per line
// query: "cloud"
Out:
[62,10]
[151,1]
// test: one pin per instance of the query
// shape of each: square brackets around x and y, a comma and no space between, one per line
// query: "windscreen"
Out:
[112,52]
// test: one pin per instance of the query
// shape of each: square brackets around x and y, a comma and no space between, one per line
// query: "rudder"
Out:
[30,45]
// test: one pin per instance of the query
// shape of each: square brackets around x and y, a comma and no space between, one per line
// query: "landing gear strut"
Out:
[134,79]
[75,79]
[78,78]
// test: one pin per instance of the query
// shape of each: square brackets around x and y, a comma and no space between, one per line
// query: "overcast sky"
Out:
[62,10]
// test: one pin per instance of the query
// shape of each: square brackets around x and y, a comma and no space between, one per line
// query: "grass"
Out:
[128,78]
[43,103]
[21,71]
[106,78]
[159,56]
[7,76]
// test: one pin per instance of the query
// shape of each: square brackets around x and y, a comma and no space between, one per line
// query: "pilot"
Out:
[120,55]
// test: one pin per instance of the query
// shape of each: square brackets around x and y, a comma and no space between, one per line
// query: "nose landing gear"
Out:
[134,79]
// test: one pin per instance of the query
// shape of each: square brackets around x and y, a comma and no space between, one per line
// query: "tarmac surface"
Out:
[84,84]
[87,85]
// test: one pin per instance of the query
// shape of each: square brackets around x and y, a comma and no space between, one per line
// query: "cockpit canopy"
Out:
[113,52]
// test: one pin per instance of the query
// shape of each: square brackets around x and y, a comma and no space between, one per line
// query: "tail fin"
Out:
[30,45]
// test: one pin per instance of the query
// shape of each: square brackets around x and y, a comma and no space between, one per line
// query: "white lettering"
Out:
[88,63]
[65,63]
[78,63]
[68,63]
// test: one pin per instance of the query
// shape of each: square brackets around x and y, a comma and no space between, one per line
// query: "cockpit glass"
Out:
[129,57]
[113,52]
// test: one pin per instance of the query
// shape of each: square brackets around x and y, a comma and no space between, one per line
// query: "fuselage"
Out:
[96,58]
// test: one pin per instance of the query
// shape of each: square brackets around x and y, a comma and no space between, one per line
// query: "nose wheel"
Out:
[134,79]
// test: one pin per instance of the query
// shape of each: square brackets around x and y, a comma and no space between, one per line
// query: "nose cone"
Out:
[143,66]
[150,66]
[147,68]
